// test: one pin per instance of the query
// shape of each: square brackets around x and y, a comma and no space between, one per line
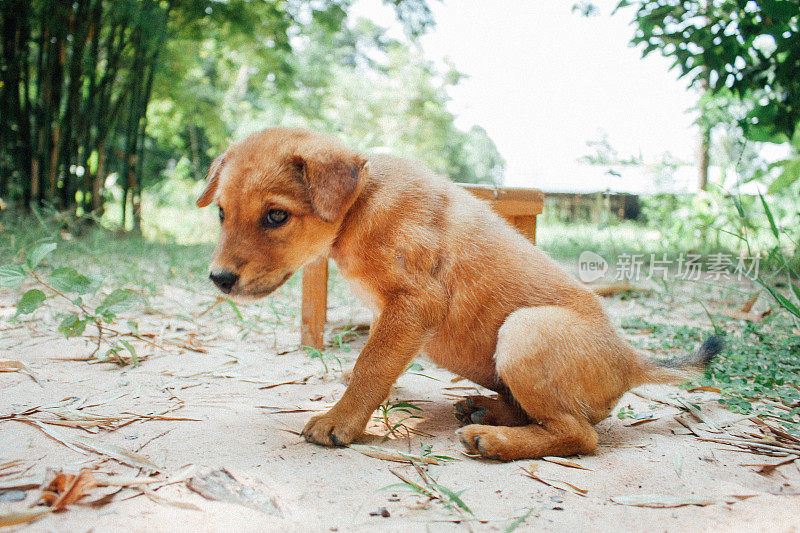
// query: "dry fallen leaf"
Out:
[769,468]
[8,468]
[61,490]
[749,317]
[611,288]
[699,414]
[106,480]
[530,471]
[152,496]
[221,485]
[661,501]
[7,365]
[705,388]
[749,305]
[639,421]
[563,462]
[25,483]
[301,381]
[80,443]
[388,454]
[65,489]
[23,517]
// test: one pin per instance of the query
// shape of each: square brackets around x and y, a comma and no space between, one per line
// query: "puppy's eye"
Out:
[221,215]
[274,218]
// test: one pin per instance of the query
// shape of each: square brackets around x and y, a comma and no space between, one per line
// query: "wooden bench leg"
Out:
[525,224]
[315,303]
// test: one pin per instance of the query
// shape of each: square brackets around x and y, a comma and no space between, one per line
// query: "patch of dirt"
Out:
[212,401]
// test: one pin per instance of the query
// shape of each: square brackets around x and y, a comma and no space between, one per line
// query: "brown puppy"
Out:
[445,277]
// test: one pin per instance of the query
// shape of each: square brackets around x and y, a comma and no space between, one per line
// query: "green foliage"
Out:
[789,174]
[103,99]
[626,412]
[749,48]
[700,221]
[11,276]
[345,82]
[521,520]
[67,279]
[415,369]
[69,286]
[39,253]
[780,257]
[760,363]
[426,450]
[747,54]
[30,302]
[115,303]
[73,326]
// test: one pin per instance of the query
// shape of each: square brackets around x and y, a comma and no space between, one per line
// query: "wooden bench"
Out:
[519,207]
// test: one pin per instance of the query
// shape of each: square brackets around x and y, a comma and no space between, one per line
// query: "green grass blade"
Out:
[771,219]
[782,300]
[795,290]
[519,521]
[453,497]
[405,405]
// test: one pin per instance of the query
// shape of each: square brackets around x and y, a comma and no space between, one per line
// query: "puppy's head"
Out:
[282,196]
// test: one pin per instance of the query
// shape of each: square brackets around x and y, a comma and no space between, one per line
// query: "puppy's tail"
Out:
[683,368]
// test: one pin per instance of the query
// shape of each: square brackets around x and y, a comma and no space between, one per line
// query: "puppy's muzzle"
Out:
[224,279]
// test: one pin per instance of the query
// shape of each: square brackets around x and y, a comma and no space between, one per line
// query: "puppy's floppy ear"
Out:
[332,180]
[212,180]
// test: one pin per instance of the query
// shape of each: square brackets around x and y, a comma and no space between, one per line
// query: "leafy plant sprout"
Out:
[398,428]
[434,491]
[65,280]
[315,353]
[343,339]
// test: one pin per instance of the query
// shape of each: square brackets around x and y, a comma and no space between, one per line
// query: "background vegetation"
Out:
[103,100]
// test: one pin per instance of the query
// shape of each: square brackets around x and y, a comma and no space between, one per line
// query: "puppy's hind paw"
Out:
[488,411]
[481,440]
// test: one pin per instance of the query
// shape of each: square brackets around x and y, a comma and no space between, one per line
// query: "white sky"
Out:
[543,81]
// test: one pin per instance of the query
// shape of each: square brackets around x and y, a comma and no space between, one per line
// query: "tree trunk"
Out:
[97,181]
[703,158]
[85,129]
[71,116]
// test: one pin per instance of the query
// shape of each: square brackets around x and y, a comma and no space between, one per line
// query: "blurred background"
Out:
[645,116]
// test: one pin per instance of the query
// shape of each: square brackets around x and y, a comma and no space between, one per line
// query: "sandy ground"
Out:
[244,428]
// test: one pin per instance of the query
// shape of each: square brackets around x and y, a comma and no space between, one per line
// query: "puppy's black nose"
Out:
[224,280]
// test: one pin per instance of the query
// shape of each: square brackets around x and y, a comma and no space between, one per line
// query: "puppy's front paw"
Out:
[329,429]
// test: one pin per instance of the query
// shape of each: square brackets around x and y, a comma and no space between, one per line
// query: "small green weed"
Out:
[415,369]
[626,412]
[78,291]
[387,415]
[434,491]
[314,353]
[426,450]
[349,334]
[519,521]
